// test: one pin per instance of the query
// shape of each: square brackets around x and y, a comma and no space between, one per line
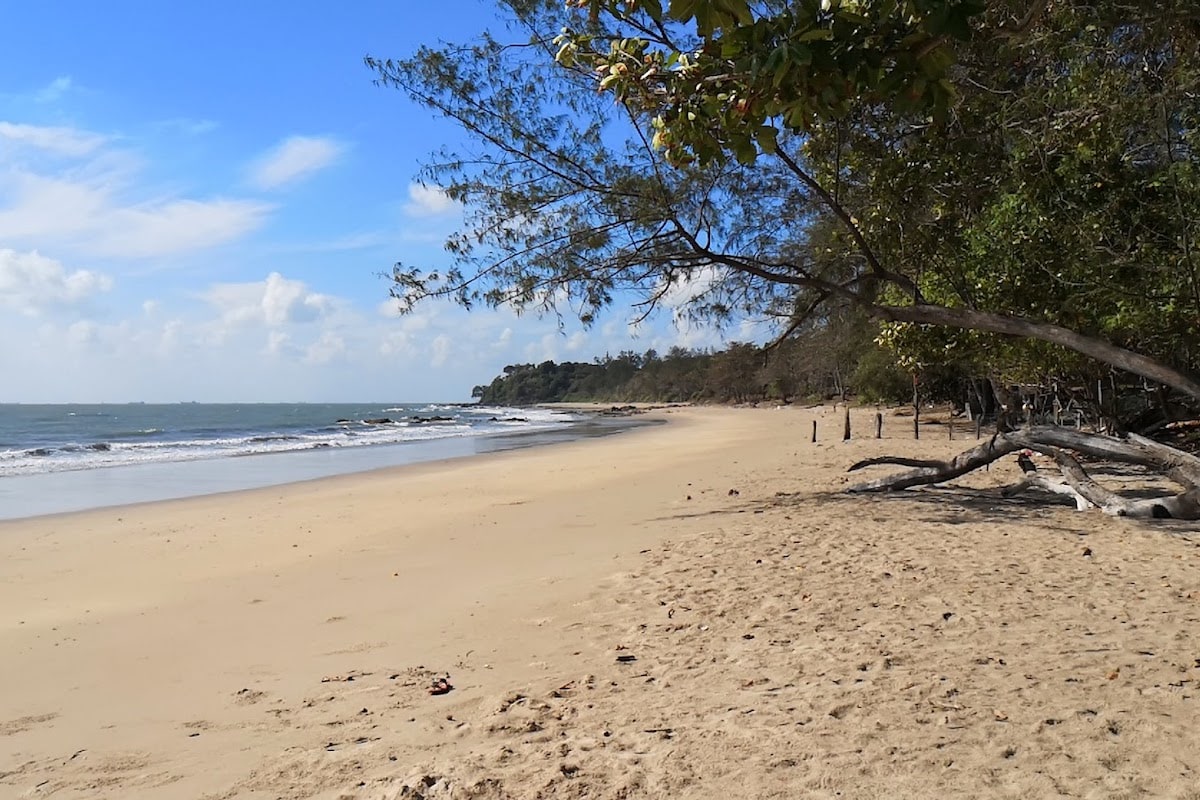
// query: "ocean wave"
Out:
[136,433]
[423,426]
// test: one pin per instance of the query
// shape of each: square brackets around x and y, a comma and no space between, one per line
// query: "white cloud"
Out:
[54,90]
[294,159]
[690,334]
[84,205]
[428,201]
[543,349]
[43,207]
[31,282]
[340,244]
[63,141]
[757,330]
[329,347]
[688,288]
[396,343]
[277,341]
[83,332]
[175,226]
[389,309]
[440,350]
[691,286]
[290,301]
[84,214]
[577,342]
[169,338]
[422,318]
[273,302]
[219,346]
[187,126]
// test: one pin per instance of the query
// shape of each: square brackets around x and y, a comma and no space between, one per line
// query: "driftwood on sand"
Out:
[1063,445]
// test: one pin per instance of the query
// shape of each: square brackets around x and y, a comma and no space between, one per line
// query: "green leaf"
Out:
[744,150]
[767,137]
[703,14]
[800,54]
[738,10]
[815,35]
[682,10]
[742,12]
[935,62]
[653,9]
[958,22]
[849,16]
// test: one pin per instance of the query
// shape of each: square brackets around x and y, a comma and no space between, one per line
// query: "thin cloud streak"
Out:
[295,159]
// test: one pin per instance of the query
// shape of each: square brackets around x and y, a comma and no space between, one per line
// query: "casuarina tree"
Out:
[1009,183]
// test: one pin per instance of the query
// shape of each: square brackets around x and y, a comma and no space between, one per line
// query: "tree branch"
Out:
[1098,349]
[1054,442]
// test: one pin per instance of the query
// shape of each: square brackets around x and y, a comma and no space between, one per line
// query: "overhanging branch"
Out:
[1098,349]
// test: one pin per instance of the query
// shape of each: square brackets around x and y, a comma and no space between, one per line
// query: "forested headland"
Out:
[825,365]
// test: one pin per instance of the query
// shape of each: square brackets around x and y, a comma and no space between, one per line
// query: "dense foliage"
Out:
[817,366]
[739,374]
[679,376]
[1013,185]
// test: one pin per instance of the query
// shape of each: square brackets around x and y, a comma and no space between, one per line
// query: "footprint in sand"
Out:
[22,724]
[248,697]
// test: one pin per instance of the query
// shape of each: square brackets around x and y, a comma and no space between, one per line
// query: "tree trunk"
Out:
[1182,468]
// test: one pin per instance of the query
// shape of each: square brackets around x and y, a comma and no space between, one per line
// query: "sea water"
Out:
[68,457]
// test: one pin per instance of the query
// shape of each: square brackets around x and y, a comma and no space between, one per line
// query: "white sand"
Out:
[934,644]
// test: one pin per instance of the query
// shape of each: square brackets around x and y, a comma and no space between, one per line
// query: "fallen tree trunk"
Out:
[1058,443]
[1038,480]
[1185,505]
[932,471]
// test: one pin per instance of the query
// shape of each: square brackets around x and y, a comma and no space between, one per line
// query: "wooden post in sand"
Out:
[950,427]
[814,430]
[979,425]
[878,425]
[916,410]
[846,426]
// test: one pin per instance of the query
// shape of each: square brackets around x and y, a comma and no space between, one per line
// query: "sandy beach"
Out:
[690,610]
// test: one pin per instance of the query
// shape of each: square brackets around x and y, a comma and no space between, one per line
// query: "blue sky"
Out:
[196,202]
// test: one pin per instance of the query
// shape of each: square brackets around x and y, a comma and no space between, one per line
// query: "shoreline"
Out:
[24,497]
[129,630]
[692,611]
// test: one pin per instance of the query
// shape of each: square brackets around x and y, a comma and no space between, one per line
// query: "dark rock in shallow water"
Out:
[102,447]
[415,420]
[621,411]
[378,421]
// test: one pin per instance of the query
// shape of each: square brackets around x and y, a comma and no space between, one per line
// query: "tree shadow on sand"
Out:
[950,504]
